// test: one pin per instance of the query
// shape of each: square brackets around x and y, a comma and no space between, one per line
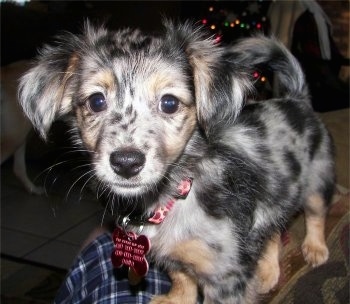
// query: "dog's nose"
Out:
[127,163]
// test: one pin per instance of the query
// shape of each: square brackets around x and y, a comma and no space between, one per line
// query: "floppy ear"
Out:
[220,88]
[45,90]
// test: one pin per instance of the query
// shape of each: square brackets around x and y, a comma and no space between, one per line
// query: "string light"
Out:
[217,39]
[226,22]
[230,24]
[257,76]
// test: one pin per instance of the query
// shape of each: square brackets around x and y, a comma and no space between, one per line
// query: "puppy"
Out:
[209,182]
[15,127]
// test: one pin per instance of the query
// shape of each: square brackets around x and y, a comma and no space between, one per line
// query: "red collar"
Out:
[158,215]
[161,212]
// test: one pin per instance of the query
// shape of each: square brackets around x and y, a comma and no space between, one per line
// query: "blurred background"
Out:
[318,36]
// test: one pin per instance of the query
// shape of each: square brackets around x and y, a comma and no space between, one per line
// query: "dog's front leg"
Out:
[268,270]
[183,290]
[199,257]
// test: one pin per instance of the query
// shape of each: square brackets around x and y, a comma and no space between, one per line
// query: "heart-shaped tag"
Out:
[130,250]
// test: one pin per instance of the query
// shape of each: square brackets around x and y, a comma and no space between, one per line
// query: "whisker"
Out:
[98,195]
[89,179]
[60,161]
[71,187]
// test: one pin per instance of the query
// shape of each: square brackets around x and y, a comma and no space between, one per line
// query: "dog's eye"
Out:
[169,104]
[97,102]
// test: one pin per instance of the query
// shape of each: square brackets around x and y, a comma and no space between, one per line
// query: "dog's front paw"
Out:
[315,253]
[268,274]
[268,270]
[168,299]
[183,290]
[267,282]
[165,299]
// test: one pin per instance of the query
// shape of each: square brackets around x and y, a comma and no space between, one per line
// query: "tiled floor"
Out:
[47,229]
[41,235]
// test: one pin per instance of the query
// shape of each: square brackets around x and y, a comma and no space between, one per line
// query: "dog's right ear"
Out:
[45,91]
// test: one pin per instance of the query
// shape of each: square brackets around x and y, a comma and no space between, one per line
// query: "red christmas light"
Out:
[217,39]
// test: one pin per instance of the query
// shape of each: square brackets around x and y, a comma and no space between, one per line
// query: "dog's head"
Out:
[136,99]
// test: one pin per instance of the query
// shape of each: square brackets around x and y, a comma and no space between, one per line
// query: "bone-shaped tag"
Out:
[130,250]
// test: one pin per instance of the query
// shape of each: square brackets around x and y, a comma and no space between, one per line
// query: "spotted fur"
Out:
[154,110]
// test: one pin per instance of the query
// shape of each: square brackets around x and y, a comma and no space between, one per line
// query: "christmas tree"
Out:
[232,20]
[229,21]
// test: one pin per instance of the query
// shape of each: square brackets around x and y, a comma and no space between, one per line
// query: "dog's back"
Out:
[299,146]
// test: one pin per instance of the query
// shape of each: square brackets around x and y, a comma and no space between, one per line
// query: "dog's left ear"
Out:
[220,89]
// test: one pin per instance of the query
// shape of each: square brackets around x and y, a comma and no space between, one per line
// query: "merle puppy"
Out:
[209,182]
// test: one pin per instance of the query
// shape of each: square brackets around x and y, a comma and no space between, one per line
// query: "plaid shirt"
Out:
[93,279]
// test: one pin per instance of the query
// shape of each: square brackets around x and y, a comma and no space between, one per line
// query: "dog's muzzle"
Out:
[127,162]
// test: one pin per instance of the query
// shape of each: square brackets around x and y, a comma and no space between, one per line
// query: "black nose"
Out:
[127,163]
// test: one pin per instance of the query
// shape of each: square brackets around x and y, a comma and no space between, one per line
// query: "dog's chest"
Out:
[188,222]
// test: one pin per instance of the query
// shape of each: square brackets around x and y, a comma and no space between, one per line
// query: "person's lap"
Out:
[93,279]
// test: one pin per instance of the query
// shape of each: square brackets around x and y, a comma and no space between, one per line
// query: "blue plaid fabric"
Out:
[93,279]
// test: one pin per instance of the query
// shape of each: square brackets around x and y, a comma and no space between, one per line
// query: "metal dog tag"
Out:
[130,250]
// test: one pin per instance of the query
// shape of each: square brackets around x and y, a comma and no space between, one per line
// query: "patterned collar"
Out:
[159,214]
